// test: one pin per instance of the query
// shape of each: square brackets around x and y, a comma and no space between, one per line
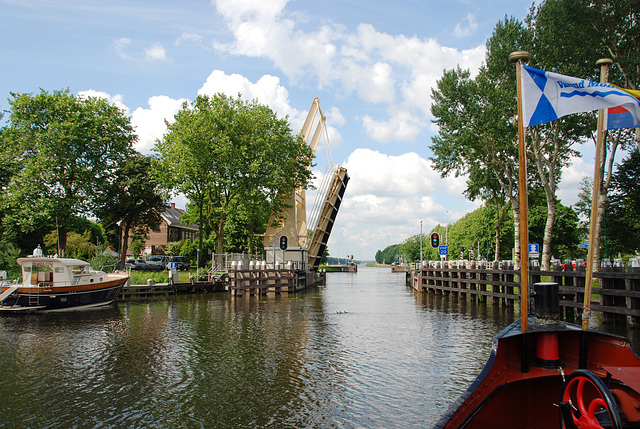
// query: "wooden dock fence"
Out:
[259,278]
[617,297]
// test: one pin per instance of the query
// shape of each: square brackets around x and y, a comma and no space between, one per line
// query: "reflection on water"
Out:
[362,351]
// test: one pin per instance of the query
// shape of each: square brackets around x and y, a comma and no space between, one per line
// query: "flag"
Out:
[619,117]
[547,96]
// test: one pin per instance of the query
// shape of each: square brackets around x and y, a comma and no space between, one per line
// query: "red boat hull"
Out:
[523,382]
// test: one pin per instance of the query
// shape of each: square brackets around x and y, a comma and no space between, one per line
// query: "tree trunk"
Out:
[201,229]
[496,256]
[500,214]
[62,240]
[597,255]
[515,207]
[125,244]
[548,231]
[220,237]
[251,237]
[606,170]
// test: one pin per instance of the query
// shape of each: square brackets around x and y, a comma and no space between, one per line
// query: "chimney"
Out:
[173,205]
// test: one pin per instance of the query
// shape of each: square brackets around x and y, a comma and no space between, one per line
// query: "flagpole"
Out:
[604,64]
[520,57]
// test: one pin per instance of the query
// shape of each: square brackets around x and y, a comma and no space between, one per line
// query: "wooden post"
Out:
[520,57]
[597,179]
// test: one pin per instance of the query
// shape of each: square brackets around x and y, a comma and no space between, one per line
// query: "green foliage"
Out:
[622,221]
[138,239]
[235,161]
[325,256]
[388,255]
[9,253]
[59,150]
[78,245]
[132,201]
[174,248]
[566,236]
[477,133]
[100,261]
[189,249]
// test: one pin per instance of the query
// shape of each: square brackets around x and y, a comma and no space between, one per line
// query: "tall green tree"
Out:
[131,201]
[623,223]
[611,29]
[225,154]
[477,133]
[61,150]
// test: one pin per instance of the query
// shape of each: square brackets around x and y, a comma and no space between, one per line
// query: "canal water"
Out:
[362,351]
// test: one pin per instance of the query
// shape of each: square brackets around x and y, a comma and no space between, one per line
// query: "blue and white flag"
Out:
[547,96]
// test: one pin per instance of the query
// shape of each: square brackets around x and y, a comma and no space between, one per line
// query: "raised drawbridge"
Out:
[295,239]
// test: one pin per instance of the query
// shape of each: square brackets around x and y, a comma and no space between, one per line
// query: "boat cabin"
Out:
[57,271]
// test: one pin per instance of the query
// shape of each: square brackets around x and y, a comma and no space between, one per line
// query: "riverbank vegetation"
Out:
[478,135]
[70,174]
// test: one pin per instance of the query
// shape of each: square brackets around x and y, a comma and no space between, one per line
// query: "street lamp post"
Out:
[421,243]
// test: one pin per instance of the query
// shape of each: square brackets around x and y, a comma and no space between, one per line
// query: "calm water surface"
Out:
[363,351]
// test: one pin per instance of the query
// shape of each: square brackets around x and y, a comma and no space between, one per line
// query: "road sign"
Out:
[583,246]
[443,250]
[534,250]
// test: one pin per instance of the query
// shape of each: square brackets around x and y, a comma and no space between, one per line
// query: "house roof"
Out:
[172,216]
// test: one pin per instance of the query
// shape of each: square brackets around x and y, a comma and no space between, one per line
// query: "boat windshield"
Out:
[80,269]
[39,272]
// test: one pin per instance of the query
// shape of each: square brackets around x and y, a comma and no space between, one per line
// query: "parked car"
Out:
[181,261]
[142,265]
[130,263]
[157,262]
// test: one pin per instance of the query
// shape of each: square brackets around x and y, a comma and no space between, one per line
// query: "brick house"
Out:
[171,229]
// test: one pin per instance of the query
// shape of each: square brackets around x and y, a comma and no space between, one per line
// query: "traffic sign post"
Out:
[443,250]
[534,250]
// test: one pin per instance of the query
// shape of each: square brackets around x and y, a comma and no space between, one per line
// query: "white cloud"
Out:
[188,37]
[149,123]
[402,125]
[156,52]
[375,173]
[116,100]
[569,185]
[120,45]
[268,90]
[377,66]
[467,26]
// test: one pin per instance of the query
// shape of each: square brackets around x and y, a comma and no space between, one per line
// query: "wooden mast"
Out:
[597,179]
[520,57]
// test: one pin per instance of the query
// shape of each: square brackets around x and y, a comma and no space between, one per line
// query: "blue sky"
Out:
[371,63]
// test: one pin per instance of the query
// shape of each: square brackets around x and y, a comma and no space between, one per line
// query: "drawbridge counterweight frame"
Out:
[306,244]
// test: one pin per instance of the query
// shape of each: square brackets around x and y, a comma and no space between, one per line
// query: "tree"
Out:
[132,201]
[612,31]
[61,150]
[565,239]
[138,238]
[623,224]
[477,134]
[227,155]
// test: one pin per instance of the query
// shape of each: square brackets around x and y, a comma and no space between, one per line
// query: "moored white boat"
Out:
[59,284]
